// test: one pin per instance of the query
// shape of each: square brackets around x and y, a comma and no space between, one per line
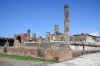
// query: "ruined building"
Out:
[6,41]
[85,38]
[21,38]
[57,36]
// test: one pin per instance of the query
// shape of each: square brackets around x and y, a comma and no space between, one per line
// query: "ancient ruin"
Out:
[49,37]
[57,46]
[6,41]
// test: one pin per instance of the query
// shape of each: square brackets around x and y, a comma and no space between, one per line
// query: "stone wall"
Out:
[54,54]
[1,50]
[20,51]
[85,38]
[3,40]
[80,47]
[47,36]
[58,54]
[19,38]
[59,51]
[75,46]
[34,37]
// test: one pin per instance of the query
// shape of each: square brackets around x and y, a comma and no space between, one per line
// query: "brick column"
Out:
[56,32]
[66,23]
[28,35]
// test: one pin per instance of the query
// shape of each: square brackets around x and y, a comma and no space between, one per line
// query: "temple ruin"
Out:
[57,46]
[57,36]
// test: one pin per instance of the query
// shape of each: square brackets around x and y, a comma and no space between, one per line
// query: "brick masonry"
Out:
[58,54]
[21,51]
[22,39]
[55,54]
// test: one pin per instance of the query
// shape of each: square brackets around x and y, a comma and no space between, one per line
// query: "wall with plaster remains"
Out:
[85,38]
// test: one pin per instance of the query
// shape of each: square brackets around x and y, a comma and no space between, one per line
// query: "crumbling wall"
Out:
[19,38]
[1,50]
[20,51]
[4,40]
[58,54]
[34,37]
[85,38]
[52,50]
[47,36]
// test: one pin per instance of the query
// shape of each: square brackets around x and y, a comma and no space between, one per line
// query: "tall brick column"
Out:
[28,35]
[56,32]
[66,23]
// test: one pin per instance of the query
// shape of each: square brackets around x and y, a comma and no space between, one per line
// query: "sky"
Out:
[40,16]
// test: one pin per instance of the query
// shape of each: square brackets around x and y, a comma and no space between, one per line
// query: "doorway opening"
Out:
[19,39]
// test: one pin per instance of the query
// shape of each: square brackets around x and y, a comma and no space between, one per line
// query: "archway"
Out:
[18,38]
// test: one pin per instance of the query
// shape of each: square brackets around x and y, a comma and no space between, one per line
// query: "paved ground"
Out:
[85,60]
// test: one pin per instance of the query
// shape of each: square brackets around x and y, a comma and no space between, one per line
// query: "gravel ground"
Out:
[13,62]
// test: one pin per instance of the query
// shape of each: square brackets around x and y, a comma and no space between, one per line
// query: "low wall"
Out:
[86,48]
[59,51]
[54,54]
[1,50]
[77,47]
[20,51]
[58,54]
[79,53]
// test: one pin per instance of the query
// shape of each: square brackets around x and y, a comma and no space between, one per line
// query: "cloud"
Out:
[95,34]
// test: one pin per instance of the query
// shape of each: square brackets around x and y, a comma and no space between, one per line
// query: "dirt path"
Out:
[13,62]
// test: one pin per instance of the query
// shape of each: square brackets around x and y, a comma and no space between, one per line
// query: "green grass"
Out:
[25,58]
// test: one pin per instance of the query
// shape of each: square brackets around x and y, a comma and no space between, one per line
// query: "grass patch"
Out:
[25,58]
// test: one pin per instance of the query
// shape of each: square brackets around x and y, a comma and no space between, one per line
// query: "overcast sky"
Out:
[40,16]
